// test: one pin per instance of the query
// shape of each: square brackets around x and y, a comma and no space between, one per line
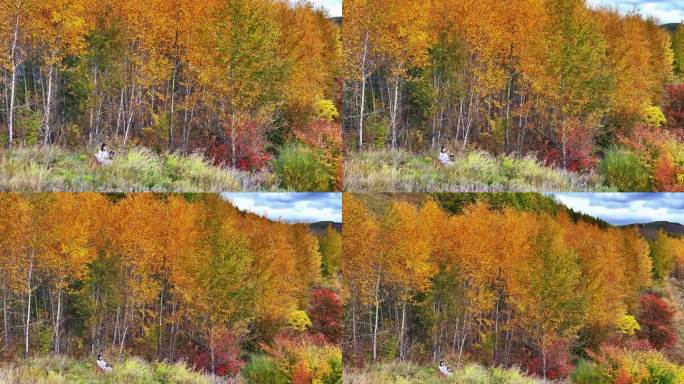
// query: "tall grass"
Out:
[404,373]
[62,370]
[475,171]
[48,169]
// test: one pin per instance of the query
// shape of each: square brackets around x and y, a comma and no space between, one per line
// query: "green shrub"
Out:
[589,373]
[377,131]
[625,171]
[263,370]
[391,348]
[301,169]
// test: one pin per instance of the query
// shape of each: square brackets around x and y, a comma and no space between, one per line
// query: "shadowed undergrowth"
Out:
[475,171]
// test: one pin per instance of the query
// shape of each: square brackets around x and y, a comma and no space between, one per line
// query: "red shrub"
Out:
[579,148]
[645,140]
[623,376]
[325,312]
[665,175]
[674,108]
[656,318]
[558,364]
[226,356]
[249,146]
[301,374]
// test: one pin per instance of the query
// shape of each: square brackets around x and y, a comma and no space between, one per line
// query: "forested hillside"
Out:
[579,89]
[167,277]
[504,282]
[240,82]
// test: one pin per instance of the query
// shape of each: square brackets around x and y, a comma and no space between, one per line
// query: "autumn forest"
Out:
[250,88]
[515,282]
[188,279]
[342,191]
[532,95]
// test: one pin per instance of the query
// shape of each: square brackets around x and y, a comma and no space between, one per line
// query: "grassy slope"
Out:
[59,370]
[401,373]
[33,169]
[476,171]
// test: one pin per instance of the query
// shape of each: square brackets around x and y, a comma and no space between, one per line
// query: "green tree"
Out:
[330,246]
[662,256]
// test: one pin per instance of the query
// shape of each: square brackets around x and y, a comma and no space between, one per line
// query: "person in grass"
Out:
[444,369]
[444,157]
[104,156]
[103,365]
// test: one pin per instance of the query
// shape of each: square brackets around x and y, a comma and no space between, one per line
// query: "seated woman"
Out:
[444,157]
[104,156]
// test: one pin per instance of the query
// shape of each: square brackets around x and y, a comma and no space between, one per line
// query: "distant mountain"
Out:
[318,228]
[649,230]
[671,27]
[337,20]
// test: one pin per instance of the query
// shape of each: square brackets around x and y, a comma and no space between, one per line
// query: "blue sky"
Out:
[668,11]
[627,208]
[291,207]
[334,7]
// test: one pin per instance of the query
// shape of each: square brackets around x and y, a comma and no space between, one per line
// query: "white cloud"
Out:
[667,11]
[290,207]
[334,7]
[627,208]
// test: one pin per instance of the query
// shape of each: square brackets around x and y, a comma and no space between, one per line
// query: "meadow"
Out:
[47,169]
[474,171]
[59,370]
[400,373]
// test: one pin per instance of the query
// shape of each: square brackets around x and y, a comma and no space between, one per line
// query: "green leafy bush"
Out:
[589,373]
[302,169]
[625,171]
[263,370]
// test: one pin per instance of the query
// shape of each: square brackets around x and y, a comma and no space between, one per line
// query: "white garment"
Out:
[104,157]
[444,370]
[444,158]
[103,365]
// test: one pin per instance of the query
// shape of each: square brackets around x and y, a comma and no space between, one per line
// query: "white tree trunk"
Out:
[28,308]
[363,90]
[57,320]
[13,82]
[377,312]
[48,107]
[393,113]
